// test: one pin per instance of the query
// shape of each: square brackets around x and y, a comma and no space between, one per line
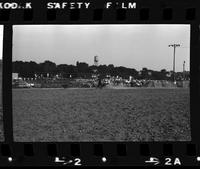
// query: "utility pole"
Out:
[184,70]
[174,46]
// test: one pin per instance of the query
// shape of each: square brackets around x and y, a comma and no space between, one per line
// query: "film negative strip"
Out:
[100,83]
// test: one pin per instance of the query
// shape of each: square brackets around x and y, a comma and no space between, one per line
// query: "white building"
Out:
[15,76]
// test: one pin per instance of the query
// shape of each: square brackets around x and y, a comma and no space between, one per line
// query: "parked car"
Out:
[21,84]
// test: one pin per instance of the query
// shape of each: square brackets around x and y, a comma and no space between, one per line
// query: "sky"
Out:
[1,41]
[129,45]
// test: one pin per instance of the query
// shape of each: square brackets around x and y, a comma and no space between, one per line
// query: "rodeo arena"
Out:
[100,80]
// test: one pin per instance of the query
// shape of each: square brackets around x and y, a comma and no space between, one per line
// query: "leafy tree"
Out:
[48,67]
[82,67]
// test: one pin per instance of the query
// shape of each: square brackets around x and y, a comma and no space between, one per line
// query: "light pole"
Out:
[174,46]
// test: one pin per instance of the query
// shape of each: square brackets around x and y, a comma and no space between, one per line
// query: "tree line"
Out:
[81,69]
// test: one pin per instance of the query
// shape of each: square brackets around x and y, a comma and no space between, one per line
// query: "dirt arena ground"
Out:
[101,114]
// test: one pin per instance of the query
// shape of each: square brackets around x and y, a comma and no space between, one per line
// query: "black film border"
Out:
[101,153]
